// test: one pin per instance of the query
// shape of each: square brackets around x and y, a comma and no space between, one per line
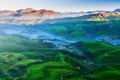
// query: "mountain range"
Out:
[32,16]
[28,12]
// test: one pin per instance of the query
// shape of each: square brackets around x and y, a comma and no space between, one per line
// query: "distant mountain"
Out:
[117,10]
[7,13]
[104,15]
[29,12]
[26,16]
[33,16]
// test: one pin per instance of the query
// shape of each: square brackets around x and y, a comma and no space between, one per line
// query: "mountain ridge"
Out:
[29,12]
[30,16]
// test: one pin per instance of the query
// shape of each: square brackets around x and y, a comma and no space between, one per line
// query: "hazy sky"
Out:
[61,5]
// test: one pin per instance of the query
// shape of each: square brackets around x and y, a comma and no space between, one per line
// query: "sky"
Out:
[61,5]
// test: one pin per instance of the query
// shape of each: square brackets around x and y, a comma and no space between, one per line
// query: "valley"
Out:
[73,48]
[60,40]
[37,52]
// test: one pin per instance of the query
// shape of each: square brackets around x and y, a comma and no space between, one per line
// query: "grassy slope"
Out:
[107,55]
[24,59]
[33,60]
[77,28]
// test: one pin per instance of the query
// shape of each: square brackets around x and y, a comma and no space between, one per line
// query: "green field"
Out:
[24,59]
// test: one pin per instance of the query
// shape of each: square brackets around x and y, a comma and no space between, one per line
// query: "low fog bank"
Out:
[72,14]
[28,32]
[36,32]
[24,31]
